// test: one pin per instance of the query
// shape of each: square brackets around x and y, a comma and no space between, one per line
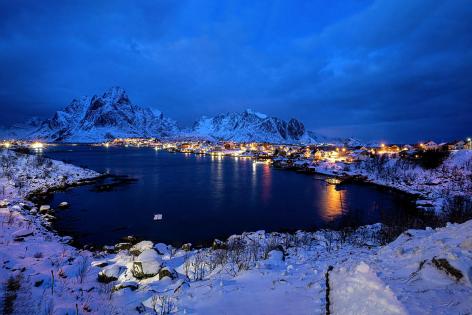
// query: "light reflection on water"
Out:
[331,203]
[202,197]
[266,182]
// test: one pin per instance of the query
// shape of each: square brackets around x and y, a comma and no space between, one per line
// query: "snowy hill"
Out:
[98,118]
[20,130]
[252,126]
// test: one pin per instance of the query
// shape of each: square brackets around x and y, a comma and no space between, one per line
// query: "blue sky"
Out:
[388,69]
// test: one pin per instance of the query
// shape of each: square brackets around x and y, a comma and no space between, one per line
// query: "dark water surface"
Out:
[203,197]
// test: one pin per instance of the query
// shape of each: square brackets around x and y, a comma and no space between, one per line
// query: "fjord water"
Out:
[204,197]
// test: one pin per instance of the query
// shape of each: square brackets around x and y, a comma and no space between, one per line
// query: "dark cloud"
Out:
[386,69]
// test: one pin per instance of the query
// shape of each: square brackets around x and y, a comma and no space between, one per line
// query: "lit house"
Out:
[456,145]
[431,145]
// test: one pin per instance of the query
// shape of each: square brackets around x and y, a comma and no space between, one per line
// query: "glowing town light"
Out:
[469,139]
[344,149]
[106,145]
[382,145]
[37,145]
[7,145]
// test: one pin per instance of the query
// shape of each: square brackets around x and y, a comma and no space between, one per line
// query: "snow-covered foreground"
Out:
[422,272]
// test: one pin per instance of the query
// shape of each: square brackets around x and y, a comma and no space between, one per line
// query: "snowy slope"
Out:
[20,130]
[422,272]
[98,118]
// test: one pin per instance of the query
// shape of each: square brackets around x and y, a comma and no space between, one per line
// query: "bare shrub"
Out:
[272,244]
[12,286]
[162,304]
[239,257]
[83,268]
[195,266]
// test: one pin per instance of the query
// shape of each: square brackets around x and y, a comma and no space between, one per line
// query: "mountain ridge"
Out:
[251,126]
[113,115]
[101,118]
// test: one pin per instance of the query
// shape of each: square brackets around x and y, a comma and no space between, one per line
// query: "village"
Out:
[294,156]
[303,158]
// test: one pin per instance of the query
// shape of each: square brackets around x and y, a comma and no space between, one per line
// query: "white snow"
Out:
[421,272]
[360,291]
[150,260]
[142,246]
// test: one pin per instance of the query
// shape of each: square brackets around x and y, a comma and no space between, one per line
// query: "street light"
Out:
[37,145]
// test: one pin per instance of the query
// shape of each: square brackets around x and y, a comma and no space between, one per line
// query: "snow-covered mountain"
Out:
[113,115]
[20,130]
[99,118]
[251,126]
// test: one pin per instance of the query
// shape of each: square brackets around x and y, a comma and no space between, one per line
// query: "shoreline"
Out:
[272,271]
[410,198]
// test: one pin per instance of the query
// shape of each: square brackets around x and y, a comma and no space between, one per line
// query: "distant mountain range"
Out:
[113,115]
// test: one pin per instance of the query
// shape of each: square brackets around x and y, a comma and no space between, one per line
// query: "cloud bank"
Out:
[385,69]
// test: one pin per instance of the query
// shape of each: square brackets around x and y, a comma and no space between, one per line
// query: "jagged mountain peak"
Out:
[250,125]
[112,114]
[253,112]
[101,117]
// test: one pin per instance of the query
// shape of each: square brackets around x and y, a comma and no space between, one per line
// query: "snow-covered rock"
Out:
[23,233]
[132,285]
[140,247]
[167,272]
[110,273]
[44,209]
[147,264]
[64,205]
